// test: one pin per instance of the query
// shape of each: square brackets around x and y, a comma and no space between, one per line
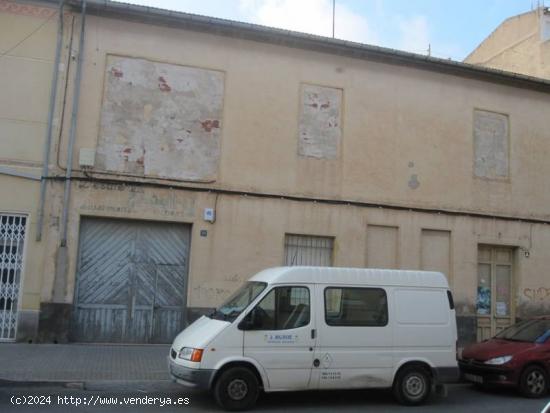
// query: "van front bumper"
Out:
[195,378]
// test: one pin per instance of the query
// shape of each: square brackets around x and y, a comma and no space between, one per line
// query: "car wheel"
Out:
[412,385]
[237,389]
[533,382]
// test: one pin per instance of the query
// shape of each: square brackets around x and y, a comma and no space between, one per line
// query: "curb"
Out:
[43,383]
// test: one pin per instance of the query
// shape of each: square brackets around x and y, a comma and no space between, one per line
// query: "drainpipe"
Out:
[49,127]
[72,133]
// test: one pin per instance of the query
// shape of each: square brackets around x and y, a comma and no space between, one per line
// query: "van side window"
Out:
[356,307]
[283,308]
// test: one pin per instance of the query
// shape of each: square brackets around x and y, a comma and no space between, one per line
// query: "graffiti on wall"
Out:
[537,294]
[126,199]
[210,293]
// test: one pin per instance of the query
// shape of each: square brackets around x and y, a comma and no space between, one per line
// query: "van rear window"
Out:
[351,307]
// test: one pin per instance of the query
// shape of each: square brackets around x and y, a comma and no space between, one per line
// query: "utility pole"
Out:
[333,16]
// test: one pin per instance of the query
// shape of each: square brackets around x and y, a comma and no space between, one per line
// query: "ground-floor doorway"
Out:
[495,299]
[131,281]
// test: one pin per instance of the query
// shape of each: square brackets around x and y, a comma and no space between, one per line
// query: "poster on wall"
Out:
[483,302]
[502,308]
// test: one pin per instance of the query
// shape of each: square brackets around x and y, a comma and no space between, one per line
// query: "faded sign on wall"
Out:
[491,144]
[160,119]
[320,122]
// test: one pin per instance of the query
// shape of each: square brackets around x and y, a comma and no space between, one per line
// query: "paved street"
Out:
[82,362]
[461,398]
[106,372]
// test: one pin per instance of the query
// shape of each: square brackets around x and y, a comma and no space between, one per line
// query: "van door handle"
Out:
[313,333]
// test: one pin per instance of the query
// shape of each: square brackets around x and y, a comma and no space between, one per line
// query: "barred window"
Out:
[308,250]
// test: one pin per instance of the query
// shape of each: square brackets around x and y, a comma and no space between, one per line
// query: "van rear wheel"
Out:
[237,389]
[412,385]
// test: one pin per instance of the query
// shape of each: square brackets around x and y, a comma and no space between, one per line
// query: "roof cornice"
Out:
[287,38]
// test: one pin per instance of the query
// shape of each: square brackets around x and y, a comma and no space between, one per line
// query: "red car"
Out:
[518,356]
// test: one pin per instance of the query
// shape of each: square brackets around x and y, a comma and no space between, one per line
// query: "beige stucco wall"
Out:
[27,42]
[248,235]
[25,79]
[392,117]
[518,45]
[396,122]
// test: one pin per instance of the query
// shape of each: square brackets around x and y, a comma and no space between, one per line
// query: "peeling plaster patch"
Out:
[117,72]
[491,144]
[163,85]
[160,119]
[320,122]
[413,182]
[208,125]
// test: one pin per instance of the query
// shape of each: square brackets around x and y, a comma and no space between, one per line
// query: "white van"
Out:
[306,328]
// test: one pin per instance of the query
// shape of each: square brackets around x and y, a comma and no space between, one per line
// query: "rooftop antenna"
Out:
[333,16]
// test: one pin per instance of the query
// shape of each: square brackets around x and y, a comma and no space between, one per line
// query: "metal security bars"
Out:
[12,239]
[308,250]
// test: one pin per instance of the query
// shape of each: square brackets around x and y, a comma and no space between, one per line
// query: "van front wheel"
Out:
[237,389]
[412,386]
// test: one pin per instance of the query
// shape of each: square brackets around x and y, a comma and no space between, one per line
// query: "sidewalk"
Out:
[82,363]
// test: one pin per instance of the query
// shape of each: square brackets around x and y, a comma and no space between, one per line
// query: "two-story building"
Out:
[188,152]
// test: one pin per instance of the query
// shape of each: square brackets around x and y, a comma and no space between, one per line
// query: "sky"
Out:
[452,29]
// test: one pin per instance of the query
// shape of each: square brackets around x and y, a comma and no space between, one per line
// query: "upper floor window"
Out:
[320,129]
[491,145]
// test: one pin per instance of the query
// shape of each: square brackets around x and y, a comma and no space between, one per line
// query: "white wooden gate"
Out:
[12,241]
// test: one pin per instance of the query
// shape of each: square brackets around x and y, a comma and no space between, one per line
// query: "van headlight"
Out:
[497,361]
[191,354]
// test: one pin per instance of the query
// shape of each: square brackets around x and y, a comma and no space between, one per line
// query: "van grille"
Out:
[173,353]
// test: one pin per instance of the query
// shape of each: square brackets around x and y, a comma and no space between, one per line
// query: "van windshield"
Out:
[235,304]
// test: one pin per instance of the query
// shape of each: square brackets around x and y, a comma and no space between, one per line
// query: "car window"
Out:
[283,308]
[346,306]
[530,331]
